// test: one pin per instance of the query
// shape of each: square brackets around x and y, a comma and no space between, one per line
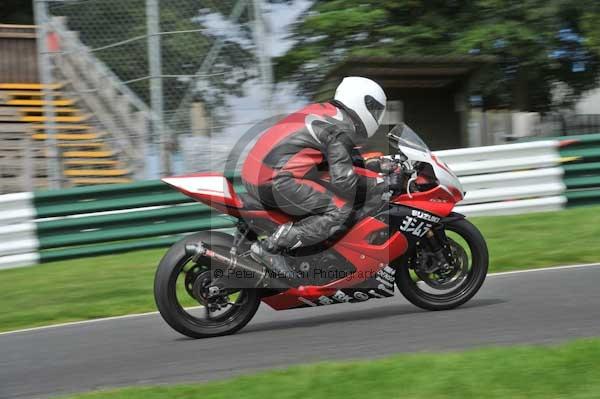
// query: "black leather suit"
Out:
[284,170]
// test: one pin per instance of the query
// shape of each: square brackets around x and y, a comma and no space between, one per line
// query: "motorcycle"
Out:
[435,257]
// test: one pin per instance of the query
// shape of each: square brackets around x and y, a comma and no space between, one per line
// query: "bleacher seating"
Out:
[86,154]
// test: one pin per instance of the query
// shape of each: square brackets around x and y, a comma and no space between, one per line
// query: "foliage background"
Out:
[547,49]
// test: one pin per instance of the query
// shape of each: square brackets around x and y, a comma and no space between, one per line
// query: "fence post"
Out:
[47,79]
[261,41]
[156,87]
[28,166]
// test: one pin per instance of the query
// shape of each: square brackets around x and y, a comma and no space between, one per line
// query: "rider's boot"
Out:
[268,251]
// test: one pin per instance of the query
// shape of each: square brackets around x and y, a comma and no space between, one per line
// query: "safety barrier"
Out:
[509,178]
[502,158]
[16,208]
[18,239]
[95,220]
[582,168]
[108,219]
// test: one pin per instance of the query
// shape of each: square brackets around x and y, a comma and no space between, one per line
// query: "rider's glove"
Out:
[388,166]
[373,164]
[380,165]
[395,181]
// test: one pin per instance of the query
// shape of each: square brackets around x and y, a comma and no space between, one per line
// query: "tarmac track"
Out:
[545,306]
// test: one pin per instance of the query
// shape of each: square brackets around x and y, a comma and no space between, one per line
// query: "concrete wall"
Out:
[589,104]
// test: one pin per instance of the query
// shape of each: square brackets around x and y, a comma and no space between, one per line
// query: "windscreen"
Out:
[406,137]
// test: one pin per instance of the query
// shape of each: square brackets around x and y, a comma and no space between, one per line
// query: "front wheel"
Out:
[435,289]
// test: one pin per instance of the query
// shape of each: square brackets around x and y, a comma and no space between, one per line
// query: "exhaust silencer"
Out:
[237,273]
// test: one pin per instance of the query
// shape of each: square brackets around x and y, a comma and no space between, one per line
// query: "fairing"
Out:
[439,200]
[217,191]
[210,188]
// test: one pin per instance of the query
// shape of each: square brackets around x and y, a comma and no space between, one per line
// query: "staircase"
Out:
[115,107]
[86,152]
[101,126]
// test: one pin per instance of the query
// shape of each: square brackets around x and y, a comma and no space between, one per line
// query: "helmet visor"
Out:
[374,107]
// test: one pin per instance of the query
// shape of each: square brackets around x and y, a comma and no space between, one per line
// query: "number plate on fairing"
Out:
[413,223]
[418,223]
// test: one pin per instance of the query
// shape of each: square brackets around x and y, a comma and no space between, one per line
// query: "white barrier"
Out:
[18,237]
[504,151]
[502,158]
[509,178]
[546,204]
[21,260]
[15,208]
[513,185]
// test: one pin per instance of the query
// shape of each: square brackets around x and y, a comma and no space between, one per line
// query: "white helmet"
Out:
[366,98]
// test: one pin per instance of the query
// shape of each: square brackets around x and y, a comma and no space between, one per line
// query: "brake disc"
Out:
[191,276]
[442,277]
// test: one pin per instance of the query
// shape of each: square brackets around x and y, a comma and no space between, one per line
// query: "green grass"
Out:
[567,371]
[77,289]
[542,239]
[119,284]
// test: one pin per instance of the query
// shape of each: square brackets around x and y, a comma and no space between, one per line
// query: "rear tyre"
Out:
[176,288]
[422,292]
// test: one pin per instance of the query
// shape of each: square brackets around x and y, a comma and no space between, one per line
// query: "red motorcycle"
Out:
[436,258]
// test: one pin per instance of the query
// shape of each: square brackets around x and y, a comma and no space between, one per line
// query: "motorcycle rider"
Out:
[282,169]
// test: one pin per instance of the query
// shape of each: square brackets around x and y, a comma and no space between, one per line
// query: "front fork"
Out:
[436,242]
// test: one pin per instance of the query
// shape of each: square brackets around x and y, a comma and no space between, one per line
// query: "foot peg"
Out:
[274,261]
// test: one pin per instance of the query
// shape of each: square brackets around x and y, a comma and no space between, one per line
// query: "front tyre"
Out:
[178,292]
[443,291]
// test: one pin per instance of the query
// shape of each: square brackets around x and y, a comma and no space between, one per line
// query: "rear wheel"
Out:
[180,295]
[433,288]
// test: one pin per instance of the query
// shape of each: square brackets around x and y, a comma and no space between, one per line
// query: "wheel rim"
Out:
[446,278]
[450,285]
[185,293]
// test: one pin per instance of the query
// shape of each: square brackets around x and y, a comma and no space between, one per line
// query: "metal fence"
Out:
[556,124]
[175,62]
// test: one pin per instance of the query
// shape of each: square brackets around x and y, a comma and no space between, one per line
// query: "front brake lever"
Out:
[413,178]
[410,181]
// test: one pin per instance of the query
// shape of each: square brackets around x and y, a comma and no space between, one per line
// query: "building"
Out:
[18,54]
[429,93]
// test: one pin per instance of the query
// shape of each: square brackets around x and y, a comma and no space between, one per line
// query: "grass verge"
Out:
[545,239]
[114,285]
[532,372]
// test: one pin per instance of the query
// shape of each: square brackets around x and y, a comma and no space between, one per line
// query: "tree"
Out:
[591,27]
[540,45]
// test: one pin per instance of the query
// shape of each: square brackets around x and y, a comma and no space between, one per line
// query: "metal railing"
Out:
[122,114]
